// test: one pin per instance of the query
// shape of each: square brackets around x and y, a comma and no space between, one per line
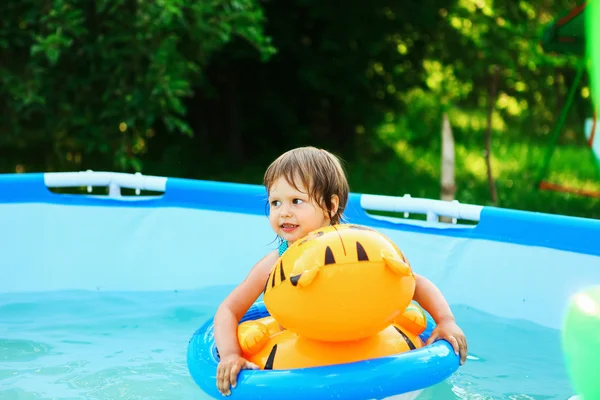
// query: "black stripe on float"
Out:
[294,279]
[410,344]
[329,259]
[271,358]
[281,271]
[361,253]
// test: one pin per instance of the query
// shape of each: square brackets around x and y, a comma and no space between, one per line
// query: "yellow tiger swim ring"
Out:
[340,294]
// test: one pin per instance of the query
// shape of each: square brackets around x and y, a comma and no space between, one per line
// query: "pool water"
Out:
[132,345]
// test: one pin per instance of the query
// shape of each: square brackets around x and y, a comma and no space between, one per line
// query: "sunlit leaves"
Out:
[444,83]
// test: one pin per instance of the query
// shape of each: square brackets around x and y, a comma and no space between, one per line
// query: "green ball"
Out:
[581,342]
[592,16]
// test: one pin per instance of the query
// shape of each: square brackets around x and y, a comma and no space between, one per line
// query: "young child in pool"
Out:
[307,190]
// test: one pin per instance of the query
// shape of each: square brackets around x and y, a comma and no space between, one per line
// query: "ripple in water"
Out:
[22,350]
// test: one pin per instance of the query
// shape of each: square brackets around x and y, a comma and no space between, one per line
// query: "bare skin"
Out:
[227,317]
[431,299]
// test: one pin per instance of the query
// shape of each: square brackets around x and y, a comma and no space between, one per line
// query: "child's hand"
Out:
[449,330]
[228,370]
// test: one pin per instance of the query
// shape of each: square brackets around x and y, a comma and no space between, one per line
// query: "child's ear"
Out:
[335,203]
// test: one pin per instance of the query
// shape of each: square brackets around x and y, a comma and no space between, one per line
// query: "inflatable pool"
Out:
[508,274]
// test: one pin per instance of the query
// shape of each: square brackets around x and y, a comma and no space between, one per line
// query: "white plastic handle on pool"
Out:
[114,180]
[406,204]
[432,208]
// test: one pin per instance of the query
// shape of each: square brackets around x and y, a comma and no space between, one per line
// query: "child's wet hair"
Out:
[319,170]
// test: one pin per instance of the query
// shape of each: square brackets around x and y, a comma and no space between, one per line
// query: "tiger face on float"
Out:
[349,284]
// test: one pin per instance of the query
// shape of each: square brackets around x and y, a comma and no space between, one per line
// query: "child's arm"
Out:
[227,318]
[432,300]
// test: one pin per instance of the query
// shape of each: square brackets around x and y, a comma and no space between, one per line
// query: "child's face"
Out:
[293,214]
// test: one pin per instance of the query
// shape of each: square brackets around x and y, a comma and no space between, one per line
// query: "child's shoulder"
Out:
[267,262]
[262,268]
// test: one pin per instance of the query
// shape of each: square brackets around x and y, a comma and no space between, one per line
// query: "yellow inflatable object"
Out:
[341,294]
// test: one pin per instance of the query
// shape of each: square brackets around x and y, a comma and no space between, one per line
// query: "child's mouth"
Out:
[288,227]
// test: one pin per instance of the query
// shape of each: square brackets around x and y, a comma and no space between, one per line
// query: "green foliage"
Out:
[93,78]
[476,36]
[216,89]
[592,30]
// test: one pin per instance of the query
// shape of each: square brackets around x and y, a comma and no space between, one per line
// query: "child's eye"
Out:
[297,201]
[275,203]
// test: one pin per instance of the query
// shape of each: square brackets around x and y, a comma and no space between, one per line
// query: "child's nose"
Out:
[286,210]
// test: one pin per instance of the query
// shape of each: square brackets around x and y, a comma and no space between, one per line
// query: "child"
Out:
[307,190]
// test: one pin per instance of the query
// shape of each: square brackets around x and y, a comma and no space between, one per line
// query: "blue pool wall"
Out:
[202,234]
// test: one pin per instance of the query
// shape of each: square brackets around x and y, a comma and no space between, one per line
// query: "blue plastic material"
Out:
[501,225]
[372,379]
[559,232]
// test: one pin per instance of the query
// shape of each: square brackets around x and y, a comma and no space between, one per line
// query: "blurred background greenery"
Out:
[216,89]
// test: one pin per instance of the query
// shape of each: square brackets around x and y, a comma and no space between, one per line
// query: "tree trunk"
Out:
[448,163]
[492,94]
[448,183]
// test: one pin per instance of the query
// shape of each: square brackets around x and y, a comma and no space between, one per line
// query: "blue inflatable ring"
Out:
[372,379]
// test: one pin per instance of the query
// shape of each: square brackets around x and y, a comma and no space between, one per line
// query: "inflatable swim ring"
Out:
[337,303]
[341,294]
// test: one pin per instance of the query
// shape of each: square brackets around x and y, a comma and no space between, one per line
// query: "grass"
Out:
[416,171]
